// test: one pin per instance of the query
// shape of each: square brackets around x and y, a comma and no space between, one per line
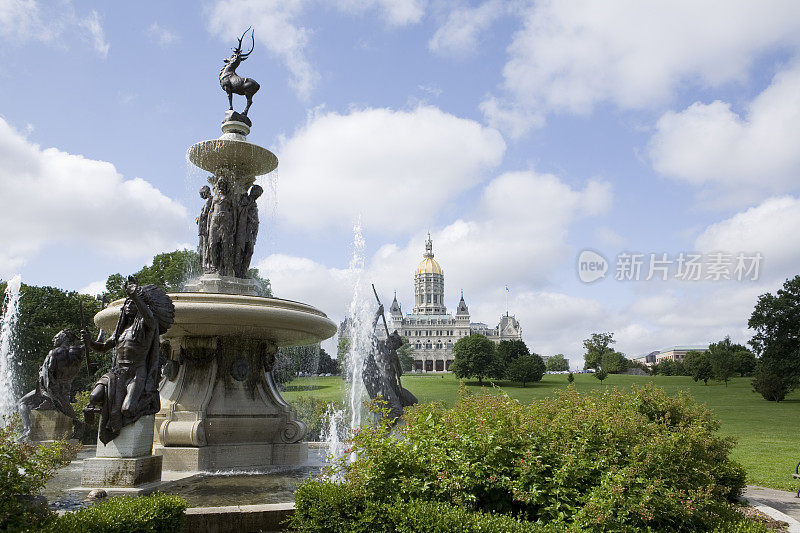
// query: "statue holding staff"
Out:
[130,390]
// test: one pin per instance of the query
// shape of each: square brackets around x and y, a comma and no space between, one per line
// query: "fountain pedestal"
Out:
[126,461]
[50,426]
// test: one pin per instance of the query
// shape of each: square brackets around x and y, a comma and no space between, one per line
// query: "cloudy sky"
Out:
[519,133]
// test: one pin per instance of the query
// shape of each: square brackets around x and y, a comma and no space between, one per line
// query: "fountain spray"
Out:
[8,400]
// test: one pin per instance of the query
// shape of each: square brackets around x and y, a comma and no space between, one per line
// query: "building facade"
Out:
[430,329]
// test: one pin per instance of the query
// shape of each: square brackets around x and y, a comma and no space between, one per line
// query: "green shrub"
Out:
[312,411]
[24,470]
[612,459]
[329,507]
[154,513]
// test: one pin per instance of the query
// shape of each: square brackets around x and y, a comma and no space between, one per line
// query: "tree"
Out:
[596,346]
[341,354]
[570,378]
[406,355]
[170,271]
[557,363]
[525,369]
[601,374]
[474,357]
[745,362]
[508,351]
[722,356]
[614,362]
[698,365]
[776,342]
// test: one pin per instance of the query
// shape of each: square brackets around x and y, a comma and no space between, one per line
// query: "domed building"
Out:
[431,330]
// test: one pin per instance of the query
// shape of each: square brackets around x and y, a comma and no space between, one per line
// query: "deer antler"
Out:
[252,46]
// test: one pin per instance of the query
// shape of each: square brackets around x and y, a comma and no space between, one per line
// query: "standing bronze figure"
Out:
[231,82]
[130,390]
[53,388]
[202,227]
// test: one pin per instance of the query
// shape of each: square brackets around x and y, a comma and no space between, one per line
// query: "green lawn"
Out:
[767,433]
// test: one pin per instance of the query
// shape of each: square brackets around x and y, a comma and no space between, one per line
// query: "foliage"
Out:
[341,354]
[170,271]
[283,368]
[611,460]
[669,367]
[43,312]
[722,356]
[406,354]
[525,369]
[154,513]
[598,345]
[776,342]
[313,412]
[745,362]
[614,362]
[474,357]
[570,378]
[509,350]
[557,363]
[327,507]
[600,374]
[24,470]
[698,366]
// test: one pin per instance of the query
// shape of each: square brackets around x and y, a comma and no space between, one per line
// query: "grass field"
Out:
[767,433]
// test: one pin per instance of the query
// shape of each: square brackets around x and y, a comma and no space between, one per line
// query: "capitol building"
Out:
[431,330]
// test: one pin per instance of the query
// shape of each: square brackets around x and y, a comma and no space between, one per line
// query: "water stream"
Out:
[8,399]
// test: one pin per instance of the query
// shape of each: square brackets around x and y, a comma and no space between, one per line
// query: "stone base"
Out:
[231,457]
[50,426]
[214,283]
[135,440]
[121,471]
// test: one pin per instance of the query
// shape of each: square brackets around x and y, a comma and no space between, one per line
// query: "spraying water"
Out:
[8,400]
[340,424]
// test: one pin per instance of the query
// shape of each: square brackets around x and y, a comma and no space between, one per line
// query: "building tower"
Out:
[462,314]
[429,285]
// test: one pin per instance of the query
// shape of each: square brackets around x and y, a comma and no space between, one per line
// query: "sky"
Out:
[658,142]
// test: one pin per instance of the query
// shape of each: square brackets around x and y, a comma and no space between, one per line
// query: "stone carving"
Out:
[232,83]
[228,229]
[202,226]
[53,388]
[130,390]
[382,370]
[239,369]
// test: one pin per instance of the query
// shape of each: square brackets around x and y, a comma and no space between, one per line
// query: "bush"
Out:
[328,507]
[24,469]
[613,459]
[154,513]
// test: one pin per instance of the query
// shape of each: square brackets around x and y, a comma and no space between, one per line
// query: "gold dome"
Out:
[429,266]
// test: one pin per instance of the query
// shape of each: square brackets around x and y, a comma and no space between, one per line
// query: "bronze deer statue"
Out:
[232,83]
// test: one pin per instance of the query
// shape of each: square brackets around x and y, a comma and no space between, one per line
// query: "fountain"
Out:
[220,408]
[8,402]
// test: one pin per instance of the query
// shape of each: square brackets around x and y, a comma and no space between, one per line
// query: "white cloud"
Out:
[161,35]
[52,197]
[94,288]
[23,20]
[462,31]
[710,144]
[394,12]
[769,228]
[572,56]
[277,26]
[372,160]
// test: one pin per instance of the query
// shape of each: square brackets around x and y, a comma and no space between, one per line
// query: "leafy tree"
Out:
[557,363]
[614,362]
[698,365]
[406,354]
[722,355]
[668,367]
[170,271]
[598,345]
[776,342]
[341,354]
[327,364]
[474,357]
[508,351]
[525,369]
[601,374]
[570,378]
[745,362]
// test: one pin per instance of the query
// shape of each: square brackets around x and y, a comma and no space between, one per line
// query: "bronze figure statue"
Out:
[247,230]
[231,82]
[54,386]
[222,230]
[202,226]
[382,371]
[130,390]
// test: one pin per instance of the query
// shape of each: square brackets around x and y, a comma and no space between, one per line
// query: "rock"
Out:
[97,494]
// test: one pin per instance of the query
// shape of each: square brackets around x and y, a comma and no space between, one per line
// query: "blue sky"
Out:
[519,133]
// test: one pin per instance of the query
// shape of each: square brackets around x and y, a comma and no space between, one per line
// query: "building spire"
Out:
[428,247]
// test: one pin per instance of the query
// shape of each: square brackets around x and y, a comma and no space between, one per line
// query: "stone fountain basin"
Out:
[197,314]
[239,157]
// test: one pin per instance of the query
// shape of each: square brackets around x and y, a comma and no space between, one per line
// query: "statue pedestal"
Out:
[214,283]
[126,461]
[50,426]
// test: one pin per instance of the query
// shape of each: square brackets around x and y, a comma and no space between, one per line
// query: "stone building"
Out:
[431,330]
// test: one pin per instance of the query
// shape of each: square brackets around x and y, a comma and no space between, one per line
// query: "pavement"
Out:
[778,504]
